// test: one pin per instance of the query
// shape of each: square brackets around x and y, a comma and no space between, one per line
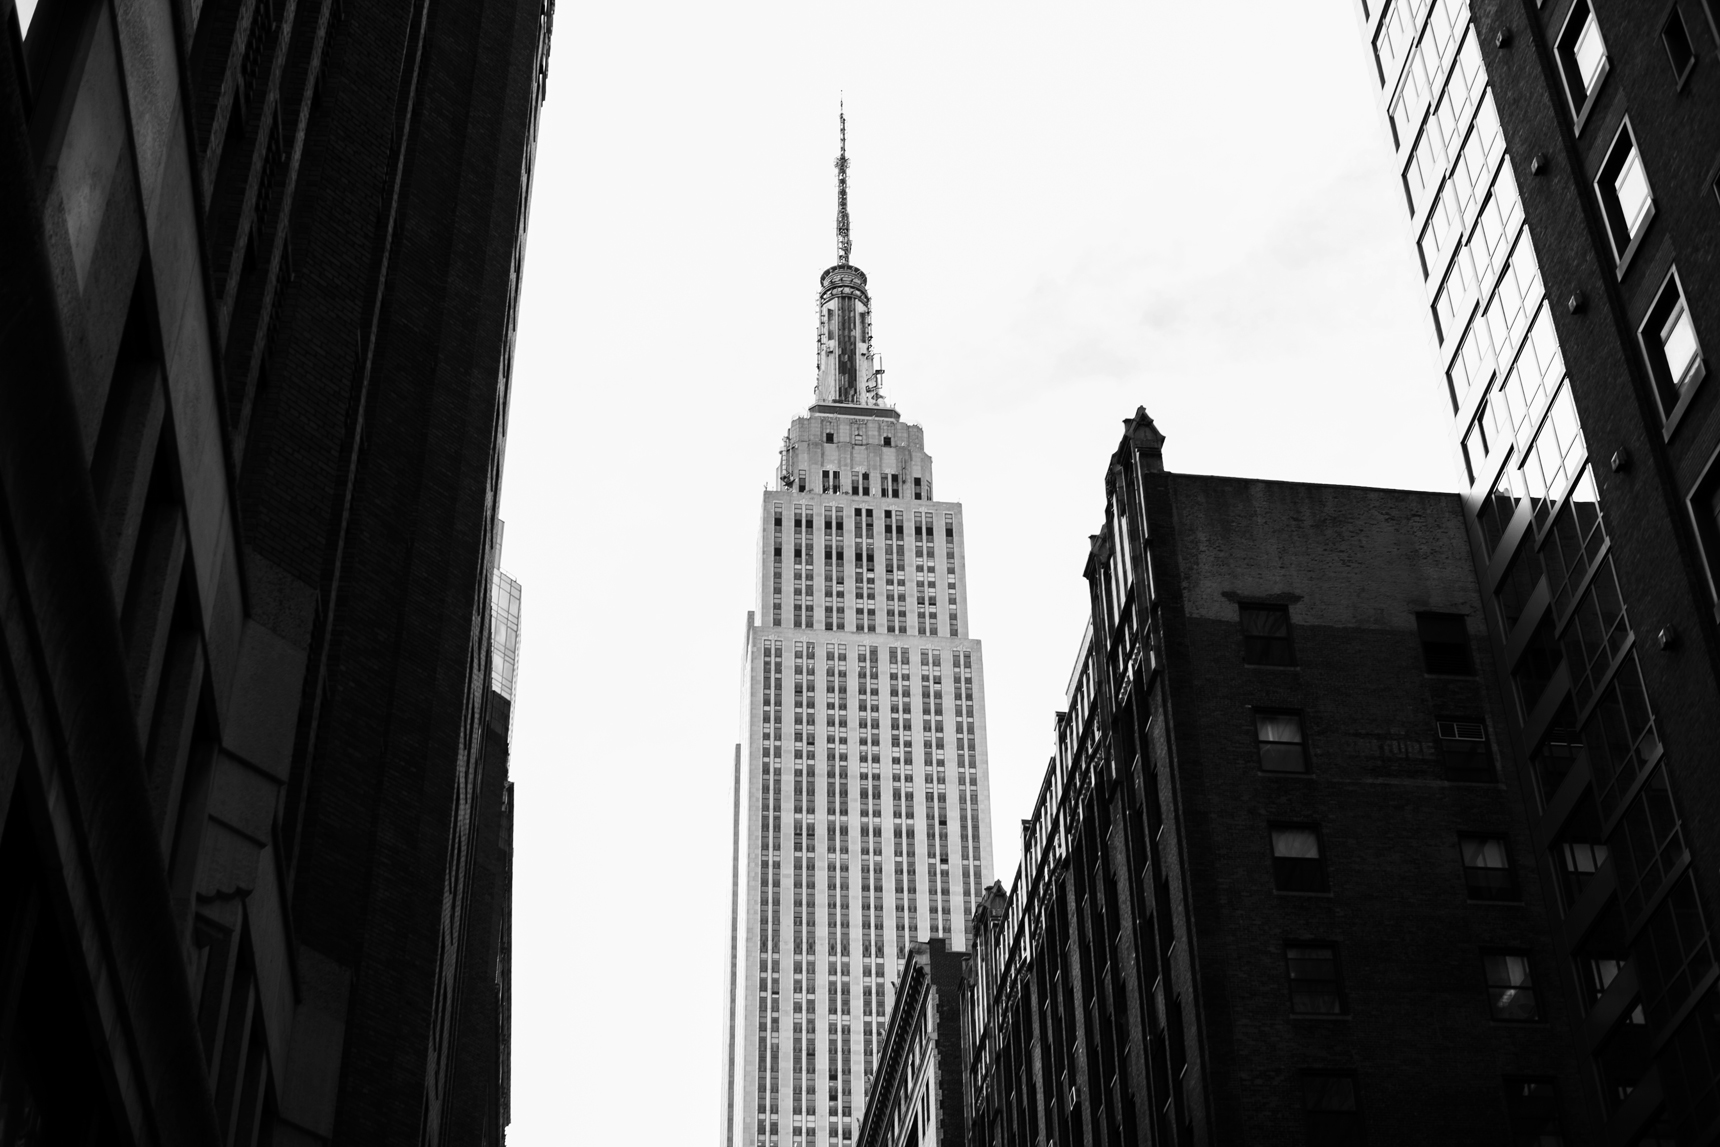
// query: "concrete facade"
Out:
[1275,890]
[1558,166]
[256,321]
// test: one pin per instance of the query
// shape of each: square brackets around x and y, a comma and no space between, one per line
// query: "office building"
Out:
[1279,885]
[919,1092]
[259,290]
[1558,168]
[861,810]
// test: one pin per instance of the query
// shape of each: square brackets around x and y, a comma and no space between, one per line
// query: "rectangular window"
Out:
[1579,861]
[1510,989]
[1487,868]
[1675,37]
[1582,59]
[1463,750]
[1626,201]
[1331,1116]
[1298,864]
[1279,736]
[1315,989]
[1668,339]
[1266,635]
[1445,644]
[1532,1111]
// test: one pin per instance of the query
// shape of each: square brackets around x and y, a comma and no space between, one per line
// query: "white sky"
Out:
[1064,213]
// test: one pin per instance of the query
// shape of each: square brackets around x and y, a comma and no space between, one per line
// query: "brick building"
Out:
[256,320]
[1558,165]
[1279,885]
[918,1096]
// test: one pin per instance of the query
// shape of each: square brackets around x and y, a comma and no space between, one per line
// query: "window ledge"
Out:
[1686,392]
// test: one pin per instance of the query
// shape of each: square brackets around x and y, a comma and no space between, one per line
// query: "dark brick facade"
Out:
[256,328]
[1159,973]
[918,1095]
[1612,676]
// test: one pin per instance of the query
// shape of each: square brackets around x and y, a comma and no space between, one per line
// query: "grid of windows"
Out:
[847,878]
[1521,436]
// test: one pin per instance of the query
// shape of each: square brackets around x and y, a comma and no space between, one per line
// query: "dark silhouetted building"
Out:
[1279,885]
[1558,166]
[257,302]
[918,1096]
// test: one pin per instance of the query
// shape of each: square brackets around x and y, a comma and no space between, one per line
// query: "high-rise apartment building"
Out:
[861,807]
[1279,886]
[257,302]
[1559,184]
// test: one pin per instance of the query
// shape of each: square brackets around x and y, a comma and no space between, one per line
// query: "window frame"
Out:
[1339,996]
[1329,1131]
[1661,313]
[1625,245]
[1283,876]
[1289,638]
[1528,985]
[1679,75]
[1704,492]
[1565,53]
[1258,711]
[1457,722]
[1434,617]
[1510,890]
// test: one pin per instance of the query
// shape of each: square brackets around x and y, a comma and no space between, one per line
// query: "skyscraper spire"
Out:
[843,243]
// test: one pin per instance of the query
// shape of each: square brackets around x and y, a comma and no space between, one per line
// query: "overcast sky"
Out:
[1064,212]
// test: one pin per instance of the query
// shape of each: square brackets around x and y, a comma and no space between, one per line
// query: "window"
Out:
[1579,861]
[1330,1112]
[1279,736]
[1626,201]
[1298,864]
[1510,990]
[1705,510]
[1669,341]
[1487,868]
[1582,59]
[1532,1109]
[1602,971]
[1445,644]
[1266,635]
[1314,986]
[1463,750]
[1676,39]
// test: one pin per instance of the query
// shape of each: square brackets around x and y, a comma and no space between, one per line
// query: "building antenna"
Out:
[844,244]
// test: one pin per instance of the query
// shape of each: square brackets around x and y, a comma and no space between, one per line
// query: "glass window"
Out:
[1314,985]
[1675,37]
[1298,865]
[1463,749]
[1487,868]
[1582,58]
[1510,989]
[1669,339]
[1445,644]
[1266,635]
[1532,1108]
[1626,201]
[1330,1112]
[1279,736]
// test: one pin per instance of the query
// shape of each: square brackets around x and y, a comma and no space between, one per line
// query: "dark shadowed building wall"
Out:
[256,325]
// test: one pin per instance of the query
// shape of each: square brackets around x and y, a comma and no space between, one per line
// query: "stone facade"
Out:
[918,1096]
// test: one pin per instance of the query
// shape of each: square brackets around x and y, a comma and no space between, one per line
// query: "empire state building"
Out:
[862,810]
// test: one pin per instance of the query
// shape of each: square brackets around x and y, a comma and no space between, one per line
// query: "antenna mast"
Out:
[844,244]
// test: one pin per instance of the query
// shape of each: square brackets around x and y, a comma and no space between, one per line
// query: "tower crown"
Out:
[848,371]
